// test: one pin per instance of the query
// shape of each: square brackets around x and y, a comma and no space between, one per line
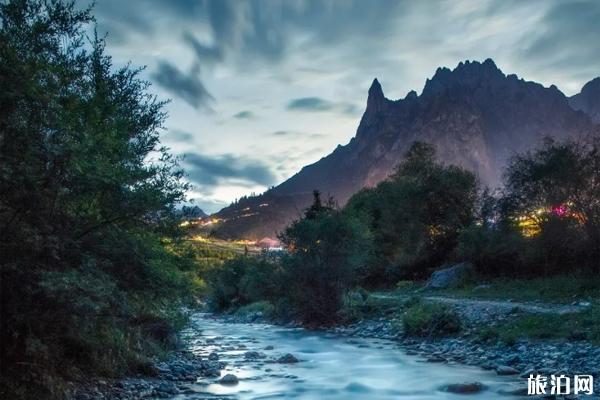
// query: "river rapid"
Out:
[331,366]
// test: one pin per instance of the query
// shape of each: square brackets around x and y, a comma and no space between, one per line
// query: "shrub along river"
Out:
[330,366]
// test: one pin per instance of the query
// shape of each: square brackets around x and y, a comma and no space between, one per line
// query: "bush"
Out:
[263,309]
[430,320]
[493,250]
[243,280]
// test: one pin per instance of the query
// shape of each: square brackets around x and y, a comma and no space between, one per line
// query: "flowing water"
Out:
[331,367]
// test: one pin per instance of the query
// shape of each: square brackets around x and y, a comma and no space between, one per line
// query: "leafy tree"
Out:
[416,215]
[87,199]
[326,248]
[556,188]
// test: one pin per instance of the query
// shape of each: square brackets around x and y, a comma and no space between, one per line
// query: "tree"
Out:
[416,215]
[555,191]
[88,193]
[326,249]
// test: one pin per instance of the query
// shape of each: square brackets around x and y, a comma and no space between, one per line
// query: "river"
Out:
[331,366]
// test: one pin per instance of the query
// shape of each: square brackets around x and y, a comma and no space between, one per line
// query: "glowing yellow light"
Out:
[199,238]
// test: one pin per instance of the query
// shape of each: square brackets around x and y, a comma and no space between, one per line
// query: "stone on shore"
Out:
[229,379]
[464,388]
[287,359]
[453,276]
[506,370]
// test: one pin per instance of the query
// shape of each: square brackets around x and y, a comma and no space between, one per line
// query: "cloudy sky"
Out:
[261,88]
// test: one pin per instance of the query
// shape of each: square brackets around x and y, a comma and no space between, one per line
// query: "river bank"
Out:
[259,358]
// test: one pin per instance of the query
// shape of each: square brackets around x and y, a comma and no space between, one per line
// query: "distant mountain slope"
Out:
[475,115]
[588,100]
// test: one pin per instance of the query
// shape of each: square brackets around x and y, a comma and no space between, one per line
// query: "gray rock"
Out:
[465,388]
[213,356]
[453,276]
[436,359]
[254,355]
[229,379]
[167,387]
[506,370]
[287,359]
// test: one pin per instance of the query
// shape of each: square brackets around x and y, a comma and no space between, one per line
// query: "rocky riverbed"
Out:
[235,366]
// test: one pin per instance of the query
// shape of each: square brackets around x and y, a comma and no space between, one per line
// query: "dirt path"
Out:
[480,309]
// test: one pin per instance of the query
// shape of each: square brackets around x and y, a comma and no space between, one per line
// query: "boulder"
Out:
[453,276]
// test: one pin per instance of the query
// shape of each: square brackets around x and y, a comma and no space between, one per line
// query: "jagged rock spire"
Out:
[376,99]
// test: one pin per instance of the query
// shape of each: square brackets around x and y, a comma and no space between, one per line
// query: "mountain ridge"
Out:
[475,115]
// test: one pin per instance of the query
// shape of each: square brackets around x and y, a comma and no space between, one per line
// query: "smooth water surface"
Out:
[331,367]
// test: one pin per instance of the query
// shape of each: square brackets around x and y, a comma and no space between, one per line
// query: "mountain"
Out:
[588,100]
[192,212]
[475,115]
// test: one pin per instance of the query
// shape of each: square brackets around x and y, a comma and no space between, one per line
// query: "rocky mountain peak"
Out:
[588,100]
[476,116]
[466,74]
[376,99]
[592,86]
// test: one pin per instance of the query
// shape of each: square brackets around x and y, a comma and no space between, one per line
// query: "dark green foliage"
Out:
[493,249]
[430,319]
[416,215]
[546,220]
[87,198]
[243,280]
[562,180]
[326,249]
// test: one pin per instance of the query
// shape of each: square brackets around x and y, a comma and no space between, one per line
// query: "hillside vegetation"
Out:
[545,223]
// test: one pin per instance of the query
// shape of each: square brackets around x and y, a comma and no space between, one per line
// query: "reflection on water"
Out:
[332,367]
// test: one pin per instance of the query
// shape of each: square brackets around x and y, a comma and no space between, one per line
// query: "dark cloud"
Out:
[244,115]
[317,104]
[205,54]
[260,29]
[569,36]
[309,104]
[205,170]
[187,86]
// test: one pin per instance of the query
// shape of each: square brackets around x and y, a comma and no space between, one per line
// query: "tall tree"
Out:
[86,190]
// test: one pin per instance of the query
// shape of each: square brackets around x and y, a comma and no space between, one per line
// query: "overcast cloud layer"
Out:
[261,88]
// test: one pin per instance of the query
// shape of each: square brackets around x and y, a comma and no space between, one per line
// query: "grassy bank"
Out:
[562,289]
[404,305]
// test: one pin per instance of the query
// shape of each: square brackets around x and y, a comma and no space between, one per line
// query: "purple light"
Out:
[560,210]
